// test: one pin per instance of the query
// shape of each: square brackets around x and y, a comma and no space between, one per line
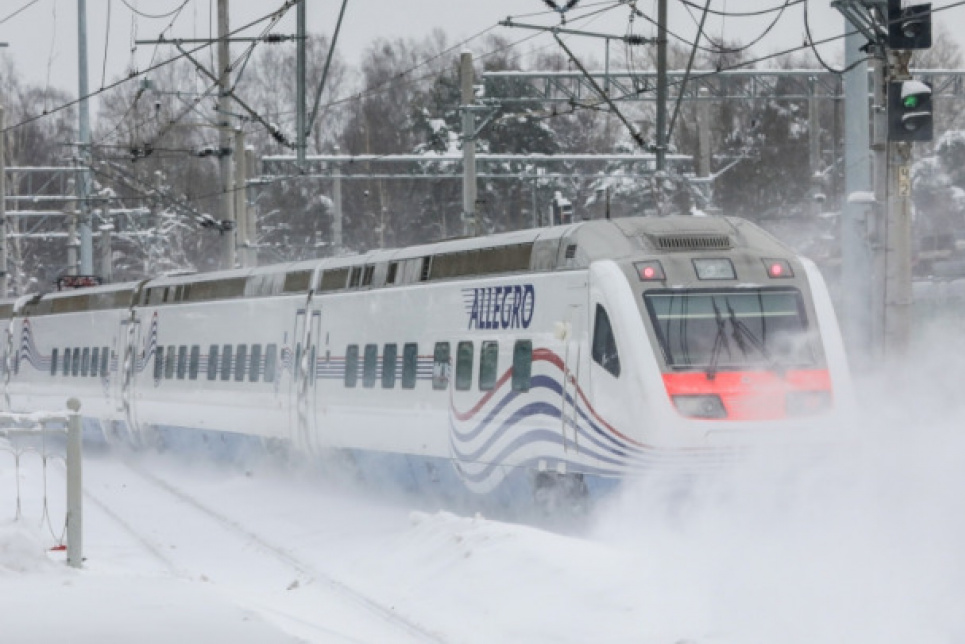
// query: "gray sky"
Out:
[43,37]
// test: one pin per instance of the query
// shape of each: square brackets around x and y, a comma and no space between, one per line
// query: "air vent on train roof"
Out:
[691,242]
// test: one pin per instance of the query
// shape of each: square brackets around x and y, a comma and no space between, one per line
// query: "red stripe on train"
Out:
[750,395]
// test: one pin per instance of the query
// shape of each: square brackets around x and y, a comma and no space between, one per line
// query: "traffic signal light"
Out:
[909,28]
[909,111]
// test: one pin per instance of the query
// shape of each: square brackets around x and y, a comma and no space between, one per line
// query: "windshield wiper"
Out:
[720,341]
[742,332]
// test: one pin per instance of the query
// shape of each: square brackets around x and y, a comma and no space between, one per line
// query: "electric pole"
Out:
[228,235]
[661,125]
[4,277]
[300,133]
[83,175]
[469,224]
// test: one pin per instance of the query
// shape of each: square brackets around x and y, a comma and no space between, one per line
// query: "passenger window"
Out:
[254,365]
[464,366]
[440,366]
[368,367]
[105,364]
[271,359]
[194,362]
[169,362]
[95,357]
[488,363]
[53,362]
[604,344]
[212,362]
[85,361]
[182,362]
[351,365]
[66,370]
[226,362]
[158,362]
[410,365]
[241,358]
[522,364]
[390,353]
[75,362]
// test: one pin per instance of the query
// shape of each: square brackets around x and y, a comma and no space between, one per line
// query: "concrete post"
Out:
[224,138]
[75,492]
[4,277]
[470,225]
[337,205]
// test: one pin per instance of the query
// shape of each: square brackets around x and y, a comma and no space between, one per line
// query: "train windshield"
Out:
[731,329]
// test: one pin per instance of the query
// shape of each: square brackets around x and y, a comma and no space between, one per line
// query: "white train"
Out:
[559,358]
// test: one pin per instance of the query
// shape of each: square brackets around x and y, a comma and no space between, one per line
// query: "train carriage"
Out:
[574,356]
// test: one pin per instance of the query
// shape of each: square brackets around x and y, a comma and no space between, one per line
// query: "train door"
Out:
[571,332]
[303,394]
[125,378]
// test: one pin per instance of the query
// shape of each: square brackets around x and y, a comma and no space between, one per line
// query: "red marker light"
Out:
[650,271]
[778,268]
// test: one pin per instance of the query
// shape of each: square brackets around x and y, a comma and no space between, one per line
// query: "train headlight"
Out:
[805,403]
[778,268]
[714,269]
[651,271]
[702,406]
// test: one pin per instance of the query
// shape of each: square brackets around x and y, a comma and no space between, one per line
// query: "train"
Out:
[543,362]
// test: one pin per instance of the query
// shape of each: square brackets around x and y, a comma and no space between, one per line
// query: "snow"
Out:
[856,542]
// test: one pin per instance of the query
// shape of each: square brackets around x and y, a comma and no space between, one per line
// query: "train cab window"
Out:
[271,361]
[241,358]
[488,365]
[351,365]
[194,362]
[182,362]
[226,362]
[254,363]
[66,365]
[440,366]
[105,364]
[410,364]
[464,365]
[369,365]
[53,362]
[75,362]
[85,361]
[95,359]
[212,362]
[522,364]
[169,356]
[158,362]
[604,344]
[390,353]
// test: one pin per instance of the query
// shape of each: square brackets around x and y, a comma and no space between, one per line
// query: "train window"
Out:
[298,361]
[390,354]
[355,277]
[241,357]
[440,366]
[522,364]
[105,365]
[410,364]
[95,359]
[85,361]
[254,364]
[194,362]
[464,365]
[53,362]
[226,362]
[393,271]
[169,362]
[66,367]
[182,362]
[367,275]
[74,363]
[271,360]
[604,344]
[158,362]
[368,366]
[312,364]
[351,365]
[488,363]
[212,362]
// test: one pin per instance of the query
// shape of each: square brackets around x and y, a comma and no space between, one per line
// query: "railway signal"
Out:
[909,111]
[909,27]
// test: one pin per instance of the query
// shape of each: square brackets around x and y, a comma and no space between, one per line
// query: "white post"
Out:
[75,518]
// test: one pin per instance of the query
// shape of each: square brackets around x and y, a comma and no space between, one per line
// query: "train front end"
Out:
[742,345]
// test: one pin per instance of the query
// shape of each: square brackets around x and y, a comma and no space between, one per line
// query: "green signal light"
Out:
[910,102]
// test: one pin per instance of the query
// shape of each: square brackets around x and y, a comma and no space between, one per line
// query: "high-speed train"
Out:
[564,358]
